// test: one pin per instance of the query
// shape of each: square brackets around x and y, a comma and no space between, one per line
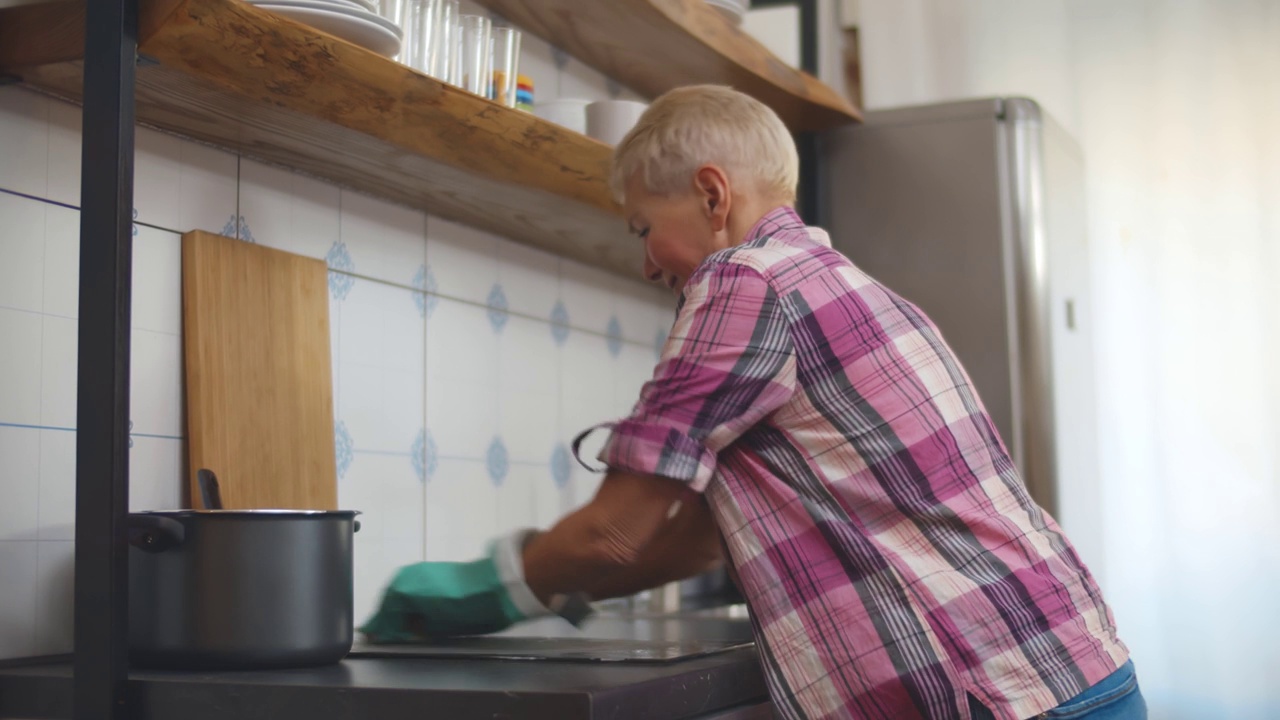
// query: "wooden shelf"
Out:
[231,74]
[655,45]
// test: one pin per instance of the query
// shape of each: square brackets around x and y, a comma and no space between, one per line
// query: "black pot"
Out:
[240,589]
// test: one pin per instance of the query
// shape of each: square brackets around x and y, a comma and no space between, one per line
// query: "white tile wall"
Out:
[24,139]
[62,261]
[55,593]
[470,256]
[529,279]
[390,497]
[58,372]
[23,236]
[19,598]
[57,484]
[386,241]
[456,396]
[19,483]
[181,185]
[65,121]
[20,367]
[461,509]
[289,211]
[581,82]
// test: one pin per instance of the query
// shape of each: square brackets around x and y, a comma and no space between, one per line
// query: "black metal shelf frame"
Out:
[102,404]
[809,197]
[101,662]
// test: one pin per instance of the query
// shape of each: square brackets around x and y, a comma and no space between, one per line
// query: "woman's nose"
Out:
[652,272]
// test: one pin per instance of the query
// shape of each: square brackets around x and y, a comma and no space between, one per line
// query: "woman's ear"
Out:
[713,188]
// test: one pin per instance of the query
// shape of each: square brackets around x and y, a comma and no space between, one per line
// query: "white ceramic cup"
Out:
[610,120]
[567,112]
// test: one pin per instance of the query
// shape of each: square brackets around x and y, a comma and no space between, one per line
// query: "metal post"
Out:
[102,403]
[809,195]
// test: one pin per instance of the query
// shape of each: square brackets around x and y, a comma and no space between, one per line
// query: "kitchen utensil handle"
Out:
[209,490]
[153,533]
[357,526]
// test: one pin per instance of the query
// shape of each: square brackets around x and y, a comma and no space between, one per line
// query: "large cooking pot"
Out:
[240,589]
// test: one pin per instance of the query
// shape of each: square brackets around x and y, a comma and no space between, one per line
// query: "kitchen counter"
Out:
[724,685]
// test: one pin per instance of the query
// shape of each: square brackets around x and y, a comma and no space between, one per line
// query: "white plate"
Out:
[730,9]
[359,27]
[332,4]
[358,4]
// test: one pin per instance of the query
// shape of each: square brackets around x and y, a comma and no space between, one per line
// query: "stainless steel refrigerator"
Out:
[974,211]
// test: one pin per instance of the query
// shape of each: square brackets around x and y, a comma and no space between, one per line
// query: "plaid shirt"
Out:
[887,547]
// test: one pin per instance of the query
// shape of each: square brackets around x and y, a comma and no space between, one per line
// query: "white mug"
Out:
[610,120]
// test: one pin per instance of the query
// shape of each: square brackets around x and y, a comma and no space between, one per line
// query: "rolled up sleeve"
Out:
[728,363]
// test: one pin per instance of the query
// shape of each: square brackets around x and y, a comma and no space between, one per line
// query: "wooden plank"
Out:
[258,376]
[234,75]
[52,32]
[653,46]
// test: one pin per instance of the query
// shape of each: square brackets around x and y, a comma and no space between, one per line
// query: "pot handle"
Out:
[152,533]
[357,526]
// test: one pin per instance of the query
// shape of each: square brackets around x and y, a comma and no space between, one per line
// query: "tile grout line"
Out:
[44,251]
[55,428]
[47,201]
[358,276]
[41,313]
[426,319]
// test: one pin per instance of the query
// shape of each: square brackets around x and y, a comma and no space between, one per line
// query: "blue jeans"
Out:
[1115,697]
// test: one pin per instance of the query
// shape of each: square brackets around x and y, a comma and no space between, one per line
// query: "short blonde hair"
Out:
[698,125]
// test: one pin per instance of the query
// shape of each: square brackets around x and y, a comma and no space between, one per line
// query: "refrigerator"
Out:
[974,211]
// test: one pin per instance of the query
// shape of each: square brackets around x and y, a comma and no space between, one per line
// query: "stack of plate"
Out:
[732,9]
[355,21]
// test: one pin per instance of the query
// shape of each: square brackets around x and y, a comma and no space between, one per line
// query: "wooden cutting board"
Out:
[259,382]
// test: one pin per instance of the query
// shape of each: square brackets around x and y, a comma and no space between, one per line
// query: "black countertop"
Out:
[453,689]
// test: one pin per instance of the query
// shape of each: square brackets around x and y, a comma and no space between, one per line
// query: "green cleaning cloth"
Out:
[444,599]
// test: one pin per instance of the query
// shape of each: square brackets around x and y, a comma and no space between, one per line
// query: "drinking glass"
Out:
[474,37]
[422,16]
[444,51]
[506,65]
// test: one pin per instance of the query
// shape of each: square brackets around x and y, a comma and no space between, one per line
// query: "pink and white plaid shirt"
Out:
[887,547]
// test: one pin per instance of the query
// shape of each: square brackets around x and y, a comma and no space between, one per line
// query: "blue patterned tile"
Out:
[244,233]
[559,323]
[560,465]
[613,334]
[496,461]
[425,455]
[236,227]
[340,282]
[427,299]
[560,57]
[498,307]
[343,447]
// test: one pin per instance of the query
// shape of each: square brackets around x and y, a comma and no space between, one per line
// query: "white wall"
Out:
[455,392]
[1177,108]
[778,29]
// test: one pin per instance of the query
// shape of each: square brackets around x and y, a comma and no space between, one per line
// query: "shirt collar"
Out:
[779,219]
